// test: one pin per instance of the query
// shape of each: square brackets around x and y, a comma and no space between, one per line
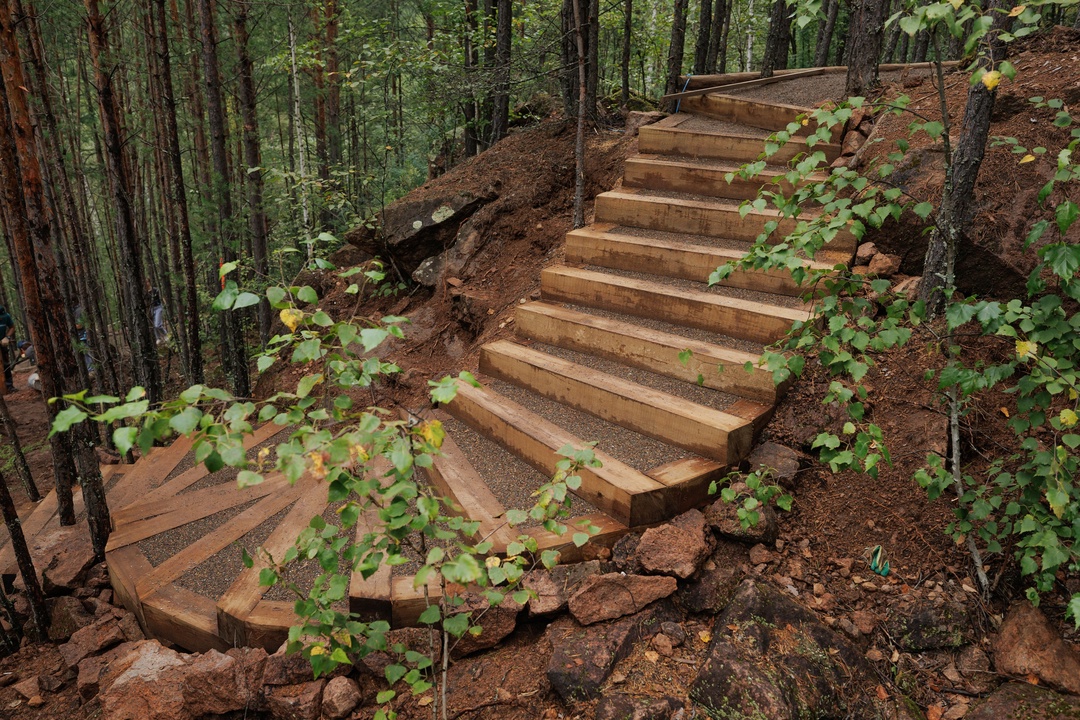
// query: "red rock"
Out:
[93,670]
[677,548]
[884,265]
[296,702]
[65,569]
[28,688]
[495,623]
[66,616]
[866,251]
[91,640]
[287,669]
[760,554]
[145,688]
[661,643]
[1021,700]
[723,517]
[340,696]
[864,621]
[783,463]
[610,596]
[853,140]
[1028,644]
[214,683]
[554,587]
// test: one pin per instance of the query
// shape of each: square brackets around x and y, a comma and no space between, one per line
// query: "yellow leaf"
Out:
[492,562]
[1005,411]
[318,650]
[1067,418]
[432,432]
[1072,394]
[652,656]
[704,636]
[1027,159]
[1017,10]
[991,79]
[956,4]
[425,701]
[291,317]
[1026,349]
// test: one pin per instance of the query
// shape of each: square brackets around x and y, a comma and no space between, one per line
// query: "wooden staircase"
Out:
[633,296]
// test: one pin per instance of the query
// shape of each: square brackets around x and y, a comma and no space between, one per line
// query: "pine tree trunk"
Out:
[704,36]
[716,31]
[138,321]
[472,62]
[253,160]
[579,142]
[592,61]
[825,34]
[22,468]
[776,42]
[500,108]
[864,45]
[624,64]
[36,597]
[675,51]
[234,355]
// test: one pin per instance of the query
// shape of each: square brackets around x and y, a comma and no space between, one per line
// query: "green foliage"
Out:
[366,459]
[1028,502]
[760,492]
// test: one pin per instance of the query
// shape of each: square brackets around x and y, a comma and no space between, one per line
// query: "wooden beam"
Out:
[684,260]
[155,465]
[125,567]
[666,417]
[740,148]
[268,624]
[236,603]
[371,597]
[720,219]
[755,113]
[686,176]
[745,319]
[745,84]
[217,540]
[184,618]
[409,602]
[620,491]
[716,366]
[188,508]
[729,79]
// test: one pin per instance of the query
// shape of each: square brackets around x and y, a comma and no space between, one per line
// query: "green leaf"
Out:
[322,319]
[247,478]
[226,298]
[430,615]
[275,295]
[245,299]
[307,294]
[923,210]
[1066,215]
[186,421]
[226,268]
[384,696]
[66,418]
[371,338]
[124,439]
[580,539]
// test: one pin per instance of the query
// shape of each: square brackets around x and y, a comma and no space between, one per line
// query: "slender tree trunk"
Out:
[143,347]
[893,37]
[472,62]
[675,51]
[716,31]
[333,88]
[298,123]
[592,60]
[579,144]
[704,34]
[627,38]
[253,160]
[500,113]
[22,468]
[776,42]
[864,45]
[234,355]
[825,33]
[962,171]
[38,611]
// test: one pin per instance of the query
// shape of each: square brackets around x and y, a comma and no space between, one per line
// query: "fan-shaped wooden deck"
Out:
[631,296]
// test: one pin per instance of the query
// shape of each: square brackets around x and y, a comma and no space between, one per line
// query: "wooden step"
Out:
[692,216]
[755,113]
[716,367]
[630,497]
[744,319]
[686,176]
[598,245]
[668,418]
[671,139]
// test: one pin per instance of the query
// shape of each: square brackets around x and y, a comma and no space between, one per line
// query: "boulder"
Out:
[885,265]
[494,622]
[146,687]
[583,657]
[926,626]
[284,668]
[624,554]
[66,616]
[723,518]
[677,548]
[772,658]
[296,702]
[1028,644]
[28,688]
[99,669]
[712,590]
[784,463]
[865,252]
[614,595]
[91,640]
[214,683]
[429,271]
[554,587]
[65,562]
[340,696]
[1026,702]
[619,706]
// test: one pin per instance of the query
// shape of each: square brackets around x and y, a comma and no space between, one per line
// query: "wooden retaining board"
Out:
[689,177]
[717,367]
[755,113]
[668,418]
[636,208]
[737,318]
[625,494]
[596,245]
[737,147]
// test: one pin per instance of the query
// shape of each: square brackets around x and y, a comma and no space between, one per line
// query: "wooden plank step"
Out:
[595,245]
[184,618]
[741,148]
[370,597]
[755,113]
[687,176]
[666,417]
[155,465]
[718,367]
[744,319]
[697,217]
[625,494]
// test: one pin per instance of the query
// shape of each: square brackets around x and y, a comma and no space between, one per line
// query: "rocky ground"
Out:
[694,618]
